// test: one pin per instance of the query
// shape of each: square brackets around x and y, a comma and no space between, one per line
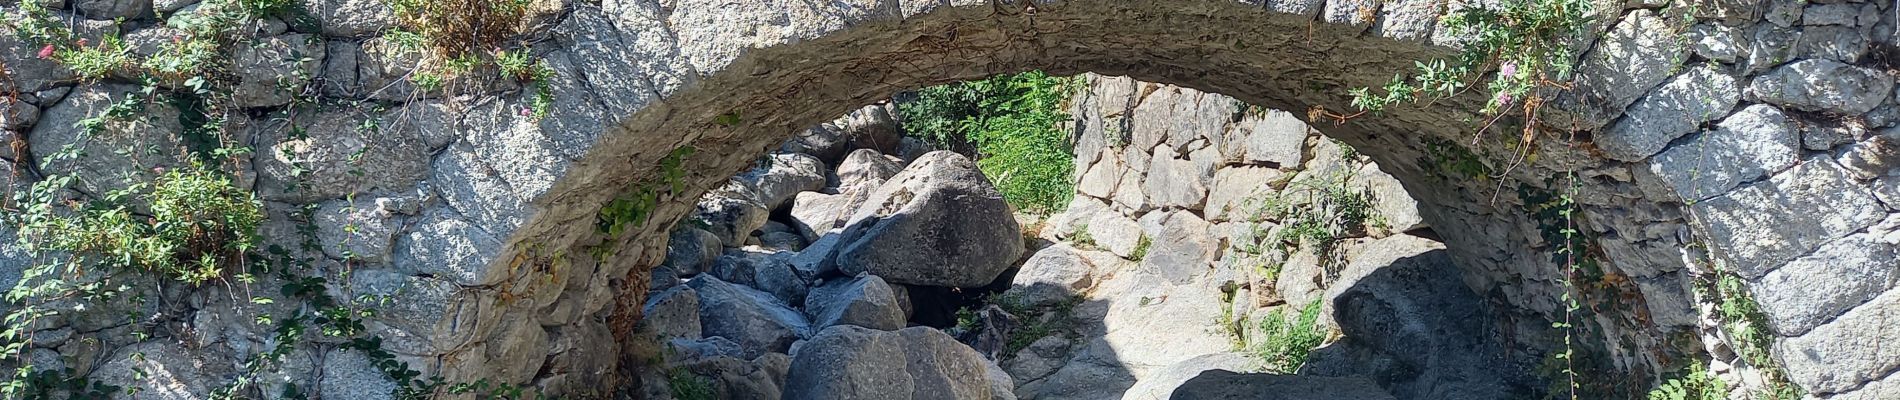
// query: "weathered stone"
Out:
[1100,179]
[1760,226]
[1674,109]
[1757,141]
[753,318]
[1001,384]
[29,72]
[865,169]
[673,313]
[348,374]
[1053,275]
[1173,182]
[1272,136]
[1639,52]
[1184,249]
[939,223]
[1844,354]
[1116,233]
[782,176]
[441,313]
[1395,207]
[770,272]
[274,70]
[363,230]
[1039,359]
[690,250]
[106,156]
[1834,43]
[443,245]
[730,216]
[1237,192]
[1875,157]
[335,157]
[351,18]
[113,9]
[1717,42]
[850,362]
[159,370]
[1817,287]
[1163,383]
[1823,85]
[863,301]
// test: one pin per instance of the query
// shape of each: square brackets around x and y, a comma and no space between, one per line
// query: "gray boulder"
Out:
[1184,249]
[1053,275]
[937,223]
[782,176]
[820,213]
[690,250]
[1175,182]
[770,272]
[759,323]
[866,168]
[730,216]
[823,141]
[849,362]
[732,377]
[863,301]
[160,371]
[348,374]
[673,313]
[1823,85]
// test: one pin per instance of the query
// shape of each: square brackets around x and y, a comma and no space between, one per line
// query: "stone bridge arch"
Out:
[640,80]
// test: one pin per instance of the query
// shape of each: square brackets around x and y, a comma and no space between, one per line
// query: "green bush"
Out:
[199,223]
[1285,345]
[1014,125]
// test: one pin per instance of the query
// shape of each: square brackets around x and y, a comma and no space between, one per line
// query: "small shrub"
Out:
[199,224]
[1081,237]
[1141,248]
[1013,123]
[1697,384]
[1285,345]
[686,386]
[95,62]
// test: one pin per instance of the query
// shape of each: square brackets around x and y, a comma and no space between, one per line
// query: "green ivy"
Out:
[1526,41]
[632,208]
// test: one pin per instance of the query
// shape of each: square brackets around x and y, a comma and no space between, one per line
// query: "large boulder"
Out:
[1053,275]
[781,176]
[690,250]
[850,362]
[866,168]
[730,214]
[673,313]
[937,223]
[1823,85]
[770,272]
[863,301]
[758,322]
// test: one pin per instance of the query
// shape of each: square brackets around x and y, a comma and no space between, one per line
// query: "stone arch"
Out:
[730,80]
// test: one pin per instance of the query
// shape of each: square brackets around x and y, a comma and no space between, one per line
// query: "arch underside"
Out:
[1278,60]
[733,80]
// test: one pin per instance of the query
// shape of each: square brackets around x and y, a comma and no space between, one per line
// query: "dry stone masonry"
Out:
[1755,137]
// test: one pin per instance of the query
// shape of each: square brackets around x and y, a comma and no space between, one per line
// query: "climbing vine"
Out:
[1526,42]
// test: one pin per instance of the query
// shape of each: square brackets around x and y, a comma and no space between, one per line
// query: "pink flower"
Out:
[1509,69]
[82,42]
[46,52]
[526,112]
[1504,98]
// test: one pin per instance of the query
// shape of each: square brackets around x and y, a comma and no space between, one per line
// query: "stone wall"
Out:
[483,227]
